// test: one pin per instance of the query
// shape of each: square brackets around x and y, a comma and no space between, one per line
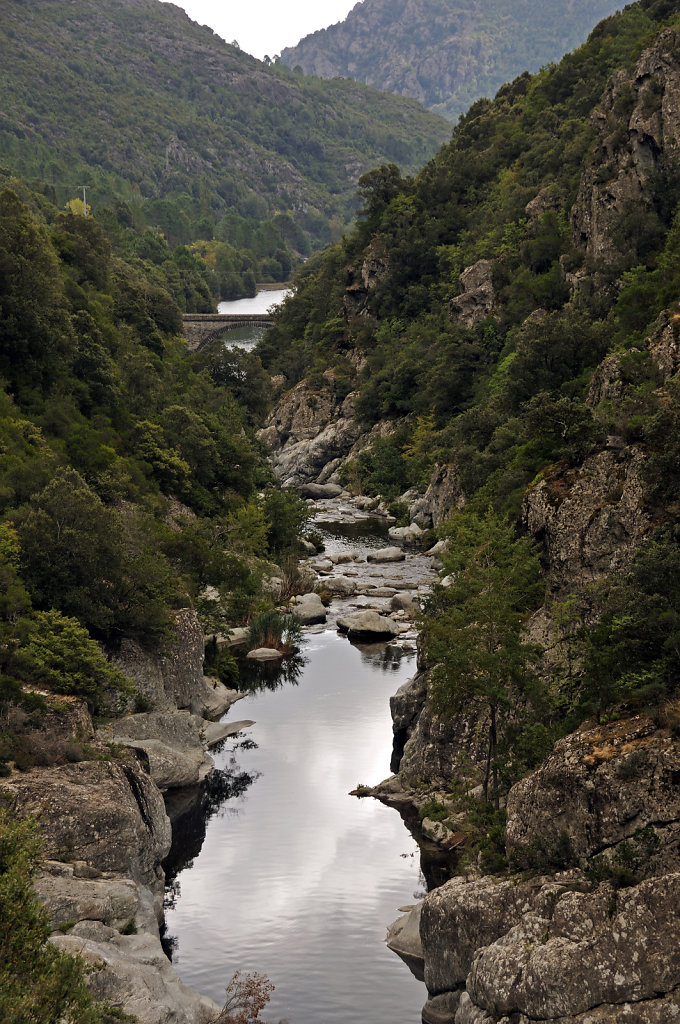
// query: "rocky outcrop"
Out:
[357,294]
[591,520]
[613,185]
[132,971]
[664,346]
[171,677]
[173,742]
[597,790]
[308,430]
[442,497]
[78,892]
[108,814]
[477,295]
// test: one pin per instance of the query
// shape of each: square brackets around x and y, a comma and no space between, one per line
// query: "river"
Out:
[265,300]
[290,875]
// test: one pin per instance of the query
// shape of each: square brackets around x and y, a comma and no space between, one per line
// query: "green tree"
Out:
[38,984]
[473,629]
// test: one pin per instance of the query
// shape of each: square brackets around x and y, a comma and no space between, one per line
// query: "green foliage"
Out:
[472,630]
[200,141]
[276,631]
[56,653]
[37,983]
[287,515]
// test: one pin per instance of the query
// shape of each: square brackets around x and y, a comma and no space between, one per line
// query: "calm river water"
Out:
[248,337]
[295,878]
[289,875]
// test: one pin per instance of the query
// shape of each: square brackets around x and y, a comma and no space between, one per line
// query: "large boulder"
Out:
[320,492]
[368,625]
[407,536]
[391,554]
[173,742]
[586,951]
[133,972]
[109,814]
[309,609]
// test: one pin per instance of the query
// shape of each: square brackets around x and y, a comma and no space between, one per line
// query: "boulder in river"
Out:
[368,625]
[320,492]
[264,654]
[309,609]
[407,536]
[338,586]
[391,554]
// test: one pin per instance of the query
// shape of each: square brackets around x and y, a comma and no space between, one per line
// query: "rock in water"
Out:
[367,626]
[309,609]
[386,555]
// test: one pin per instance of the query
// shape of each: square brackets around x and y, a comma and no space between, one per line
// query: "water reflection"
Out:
[255,676]
[301,880]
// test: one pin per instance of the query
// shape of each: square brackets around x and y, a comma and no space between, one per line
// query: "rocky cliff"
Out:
[443,53]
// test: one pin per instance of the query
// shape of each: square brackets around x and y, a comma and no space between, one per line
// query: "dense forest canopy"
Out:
[200,140]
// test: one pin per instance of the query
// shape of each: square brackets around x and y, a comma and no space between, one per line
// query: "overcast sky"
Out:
[266,26]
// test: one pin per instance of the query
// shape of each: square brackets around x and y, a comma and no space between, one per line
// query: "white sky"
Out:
[266,26]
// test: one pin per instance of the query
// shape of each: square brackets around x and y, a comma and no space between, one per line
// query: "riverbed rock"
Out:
[320,492]
[403,938]
[337,586]
[403,603]
[390,554]
[109,814]
[309,609]
[264,654]
[407,536]
[133,972]
[368,625]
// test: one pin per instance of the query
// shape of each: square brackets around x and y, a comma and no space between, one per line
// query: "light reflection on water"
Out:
[296,878]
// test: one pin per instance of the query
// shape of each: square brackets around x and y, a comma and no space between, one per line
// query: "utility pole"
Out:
[85,190]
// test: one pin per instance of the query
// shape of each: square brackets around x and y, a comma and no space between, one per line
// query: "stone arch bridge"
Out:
[200,328]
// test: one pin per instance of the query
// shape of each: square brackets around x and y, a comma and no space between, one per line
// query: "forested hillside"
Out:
[443,52]
[200,140]
[510,313]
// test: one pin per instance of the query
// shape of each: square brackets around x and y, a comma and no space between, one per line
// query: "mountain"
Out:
[135,100]
[446,53]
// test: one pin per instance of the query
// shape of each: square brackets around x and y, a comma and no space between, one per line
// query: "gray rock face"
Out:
[307,430]
[367,625]
[664,346]
[107,813]
[652,129]
[173,742]
[116,902]
[477,295]
[591,949]
[172,677]
[441,499]
[390,554]
[132,971]
[591,520]
[309,609]
[598,787]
